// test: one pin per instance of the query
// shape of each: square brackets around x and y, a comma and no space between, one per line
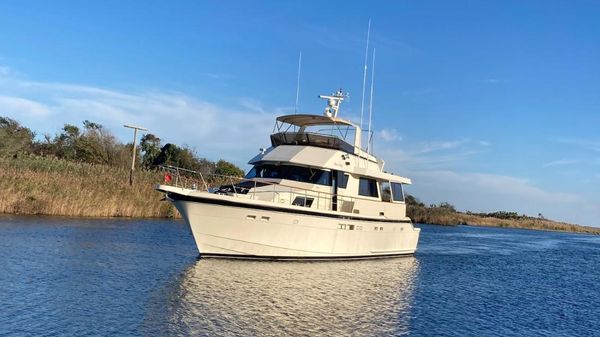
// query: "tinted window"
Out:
[289,172]
[386,191]
[342,179]
[368,187]
[397,192]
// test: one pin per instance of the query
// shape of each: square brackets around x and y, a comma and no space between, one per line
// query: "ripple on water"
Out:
[74,277]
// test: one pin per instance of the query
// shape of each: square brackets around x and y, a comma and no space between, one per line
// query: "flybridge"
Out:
[327,130]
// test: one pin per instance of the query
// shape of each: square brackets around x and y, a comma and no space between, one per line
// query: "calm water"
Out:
[141,278]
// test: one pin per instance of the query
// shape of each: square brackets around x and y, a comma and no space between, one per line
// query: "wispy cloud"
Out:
[23,107]
[427,155]
[172,116]
[443,145]
[483,192]
[500,185]
[389,135]
[5,71]
[561,162]
[589,144]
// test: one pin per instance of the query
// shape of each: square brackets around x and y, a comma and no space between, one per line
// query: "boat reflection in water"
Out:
[230,297]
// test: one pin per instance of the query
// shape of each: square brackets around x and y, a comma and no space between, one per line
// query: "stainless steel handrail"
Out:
[185,178]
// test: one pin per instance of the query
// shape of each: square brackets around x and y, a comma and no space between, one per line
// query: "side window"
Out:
[342,179]
[397,192]
[368,187]
[386,191]
[320,177]
[252,173]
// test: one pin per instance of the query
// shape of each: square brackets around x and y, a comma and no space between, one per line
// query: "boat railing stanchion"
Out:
[232,186]
[337,202]
[203,181]
[331,201]
[318,198]
[254,191]
[177,177]
[305,198]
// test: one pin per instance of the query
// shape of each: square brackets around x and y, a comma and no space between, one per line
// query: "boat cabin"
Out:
[319,159]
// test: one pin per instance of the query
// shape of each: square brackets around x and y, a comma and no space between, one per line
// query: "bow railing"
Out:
[256,188]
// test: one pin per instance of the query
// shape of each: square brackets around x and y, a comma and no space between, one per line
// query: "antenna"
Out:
[369,145]
[298,82]
[362,101]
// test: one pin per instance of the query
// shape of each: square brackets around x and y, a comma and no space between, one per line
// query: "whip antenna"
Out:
[369,144]
[362,101]
[298,83]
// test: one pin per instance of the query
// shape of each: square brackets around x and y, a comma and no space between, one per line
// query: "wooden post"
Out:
[135,129]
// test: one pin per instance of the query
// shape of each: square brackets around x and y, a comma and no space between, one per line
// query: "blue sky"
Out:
[489,105]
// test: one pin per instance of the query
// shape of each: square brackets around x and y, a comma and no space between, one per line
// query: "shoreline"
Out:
[585,230]
[42,186]
[448,217]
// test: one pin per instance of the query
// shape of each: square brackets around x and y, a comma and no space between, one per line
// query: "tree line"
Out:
[93,143]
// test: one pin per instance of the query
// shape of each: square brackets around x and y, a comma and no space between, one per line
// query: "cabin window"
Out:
[386,191]
[397,192]
[367,187]
[290,172]
[302,201]
[342,179]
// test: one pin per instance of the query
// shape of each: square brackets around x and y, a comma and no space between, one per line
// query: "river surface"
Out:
[99,277]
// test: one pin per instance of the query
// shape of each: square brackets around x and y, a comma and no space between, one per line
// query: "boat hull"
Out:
[235,229]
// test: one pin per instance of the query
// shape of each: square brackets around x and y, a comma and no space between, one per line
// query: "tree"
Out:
[14,138]
[171,154]
[412,201]
[65,142]
[96,145]
[183,157]
[448,206]
[226,168]
[150,148]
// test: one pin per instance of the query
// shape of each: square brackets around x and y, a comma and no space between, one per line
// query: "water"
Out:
[73,277]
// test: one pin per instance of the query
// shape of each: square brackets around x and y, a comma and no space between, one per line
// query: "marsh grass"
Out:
[450,217]
[48,186]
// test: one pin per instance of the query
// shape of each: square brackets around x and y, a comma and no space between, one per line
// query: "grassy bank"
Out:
[449,217]
[46,186]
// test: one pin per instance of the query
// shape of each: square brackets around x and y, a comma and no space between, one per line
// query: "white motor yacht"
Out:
[315,193]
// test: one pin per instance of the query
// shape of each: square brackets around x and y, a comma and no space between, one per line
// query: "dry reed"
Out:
[447,217]
[48,186]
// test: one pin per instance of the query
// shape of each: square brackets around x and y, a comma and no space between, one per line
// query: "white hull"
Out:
[246,229]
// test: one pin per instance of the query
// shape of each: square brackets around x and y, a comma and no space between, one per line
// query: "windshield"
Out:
[290,172]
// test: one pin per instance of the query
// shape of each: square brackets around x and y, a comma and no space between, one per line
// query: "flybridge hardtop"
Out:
[315,193]
[309,120]
[324,131]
